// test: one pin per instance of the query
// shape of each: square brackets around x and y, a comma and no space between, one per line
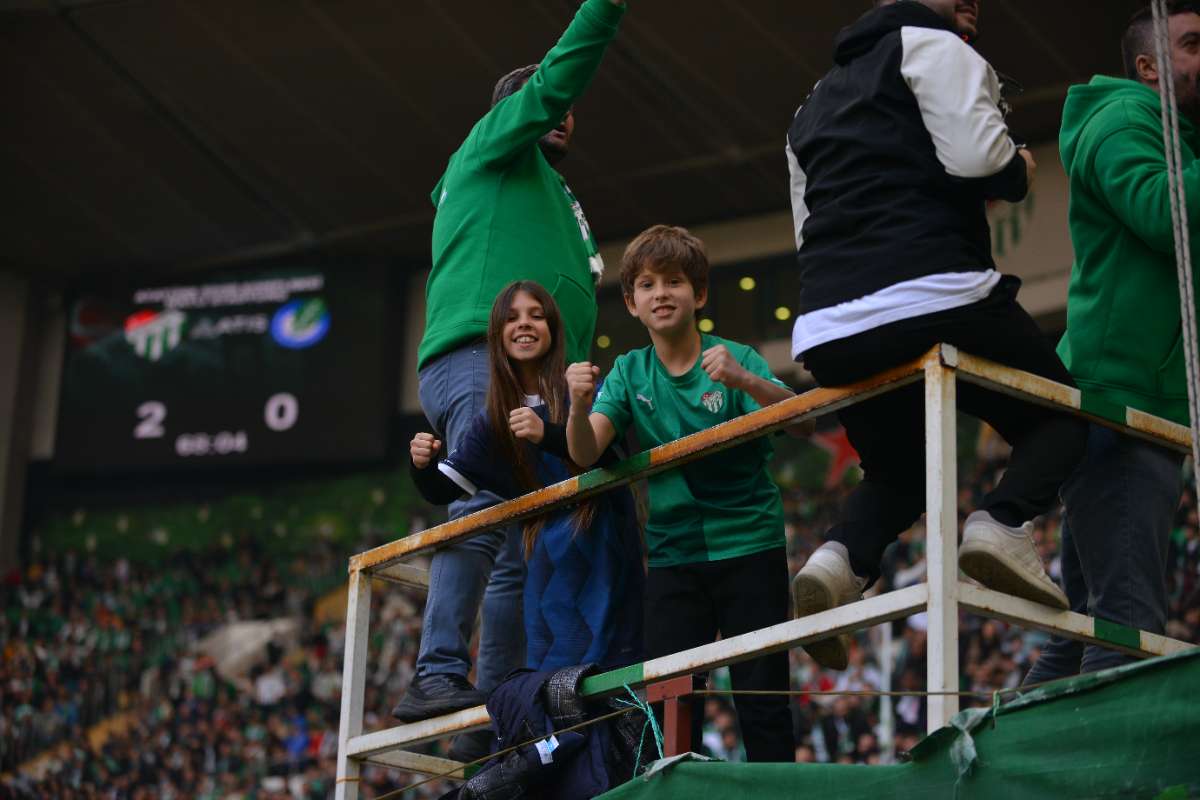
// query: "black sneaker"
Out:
[468,747]
[435,695]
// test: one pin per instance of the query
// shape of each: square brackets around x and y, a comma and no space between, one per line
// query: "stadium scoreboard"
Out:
[272,366]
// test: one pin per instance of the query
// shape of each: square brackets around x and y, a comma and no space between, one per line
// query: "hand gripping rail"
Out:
[942,596]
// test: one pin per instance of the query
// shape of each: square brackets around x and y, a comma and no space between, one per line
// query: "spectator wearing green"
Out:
[715,528]
[1123,343]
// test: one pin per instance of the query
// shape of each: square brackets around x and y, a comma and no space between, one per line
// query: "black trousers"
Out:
[686,606]
[888,431]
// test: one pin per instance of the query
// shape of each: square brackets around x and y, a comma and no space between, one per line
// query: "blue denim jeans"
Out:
[489,566]
[1118,508]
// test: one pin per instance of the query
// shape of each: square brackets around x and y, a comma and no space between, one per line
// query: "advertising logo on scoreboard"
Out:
[301,323]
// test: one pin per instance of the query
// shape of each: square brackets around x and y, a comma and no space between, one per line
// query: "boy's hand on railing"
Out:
[526,424]
[423,448]
[722,367]
[581,385]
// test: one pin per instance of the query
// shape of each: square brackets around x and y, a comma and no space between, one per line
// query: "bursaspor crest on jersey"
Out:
[713,400]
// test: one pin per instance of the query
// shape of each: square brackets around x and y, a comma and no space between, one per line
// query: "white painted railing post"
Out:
[354,680]
[941,536]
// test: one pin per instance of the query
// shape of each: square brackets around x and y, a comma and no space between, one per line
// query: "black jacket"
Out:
[893,156]
[577,764]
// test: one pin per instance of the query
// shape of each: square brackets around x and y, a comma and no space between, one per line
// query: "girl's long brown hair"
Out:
[505,394]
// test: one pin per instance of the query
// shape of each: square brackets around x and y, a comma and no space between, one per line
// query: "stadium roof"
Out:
[156,135]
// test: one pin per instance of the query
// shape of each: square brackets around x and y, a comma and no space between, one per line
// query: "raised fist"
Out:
[423,448]
[581,383]
[526,424]
[722,367]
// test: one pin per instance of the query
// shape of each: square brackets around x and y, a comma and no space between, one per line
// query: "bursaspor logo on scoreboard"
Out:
[300,323]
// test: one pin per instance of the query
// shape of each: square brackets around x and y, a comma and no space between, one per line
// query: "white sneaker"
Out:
[826,581]
[1005,559]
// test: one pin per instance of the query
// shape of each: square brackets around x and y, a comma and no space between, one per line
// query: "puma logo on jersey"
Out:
[646,400]
[713,400]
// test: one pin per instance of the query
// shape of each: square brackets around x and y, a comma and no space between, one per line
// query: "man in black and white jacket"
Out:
[893,157]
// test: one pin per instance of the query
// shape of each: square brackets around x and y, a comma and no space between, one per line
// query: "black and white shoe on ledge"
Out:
[1005,559]
[824,582]
[435,695]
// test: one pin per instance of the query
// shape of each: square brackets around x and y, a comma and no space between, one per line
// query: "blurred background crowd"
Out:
[111,686]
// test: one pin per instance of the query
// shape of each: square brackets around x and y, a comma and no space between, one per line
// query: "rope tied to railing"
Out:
[651,724]
[1179,222]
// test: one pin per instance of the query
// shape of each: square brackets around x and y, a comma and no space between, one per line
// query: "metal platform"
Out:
[943,596]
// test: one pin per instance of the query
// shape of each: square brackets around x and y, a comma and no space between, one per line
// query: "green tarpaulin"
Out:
[1129,732]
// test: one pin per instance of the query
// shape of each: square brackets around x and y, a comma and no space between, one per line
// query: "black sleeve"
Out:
[435,487]
[554,442]
[613,455]
[1010,183]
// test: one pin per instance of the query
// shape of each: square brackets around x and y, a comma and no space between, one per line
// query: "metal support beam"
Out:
[1082,628]
[370,745]
[406,575]
[354,683]
[676,697]
[420,764]
[941,537]
[1045,392]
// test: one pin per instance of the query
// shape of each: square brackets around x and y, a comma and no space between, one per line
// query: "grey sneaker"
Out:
[435,695]
[824,582]
[1005,559]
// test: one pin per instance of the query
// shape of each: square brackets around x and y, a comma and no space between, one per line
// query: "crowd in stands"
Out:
[83,642]
[103,696]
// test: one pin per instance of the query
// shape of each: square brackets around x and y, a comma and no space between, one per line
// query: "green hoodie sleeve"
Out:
[519,120]
[1130,173]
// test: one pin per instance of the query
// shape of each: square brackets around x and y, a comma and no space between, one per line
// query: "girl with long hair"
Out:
[584,579]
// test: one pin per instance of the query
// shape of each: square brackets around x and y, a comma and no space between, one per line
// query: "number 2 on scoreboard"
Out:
[151,413]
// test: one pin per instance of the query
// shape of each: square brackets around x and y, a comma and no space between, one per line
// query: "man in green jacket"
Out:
[1123,343]
[503,214]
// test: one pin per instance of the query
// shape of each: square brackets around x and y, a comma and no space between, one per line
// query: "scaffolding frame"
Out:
[943,595]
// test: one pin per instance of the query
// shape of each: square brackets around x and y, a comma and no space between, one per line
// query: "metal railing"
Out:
[942,596]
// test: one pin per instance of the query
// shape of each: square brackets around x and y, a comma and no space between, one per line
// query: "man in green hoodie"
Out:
[1123,342]
[503,214]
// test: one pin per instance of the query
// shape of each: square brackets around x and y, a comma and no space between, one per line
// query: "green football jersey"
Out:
[723,506]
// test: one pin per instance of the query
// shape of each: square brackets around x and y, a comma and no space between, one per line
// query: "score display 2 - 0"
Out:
[280,413]
[255,367]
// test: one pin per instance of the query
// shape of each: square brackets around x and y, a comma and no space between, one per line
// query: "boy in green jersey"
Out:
[715,529]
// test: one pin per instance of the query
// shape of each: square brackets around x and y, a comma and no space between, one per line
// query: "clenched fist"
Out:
[526,424]
[581,384]
[722,367]
[423,448]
